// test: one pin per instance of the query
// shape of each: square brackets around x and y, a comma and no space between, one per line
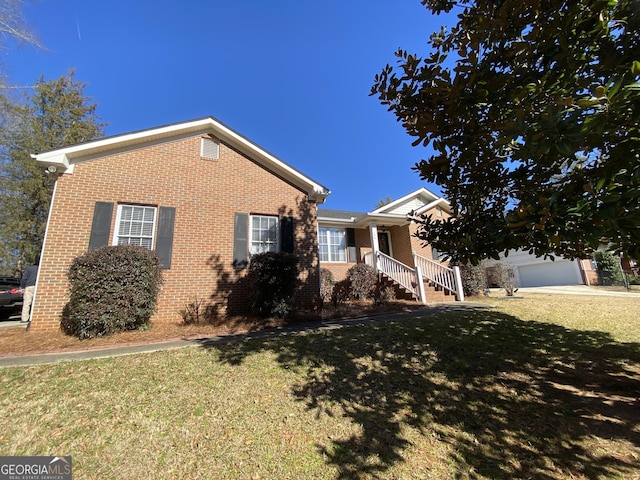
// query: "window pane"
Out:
[324,253]
[332,244]
[126,213]
[136,226]
[264,234]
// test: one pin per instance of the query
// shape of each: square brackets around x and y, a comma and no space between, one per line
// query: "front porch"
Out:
[385,239]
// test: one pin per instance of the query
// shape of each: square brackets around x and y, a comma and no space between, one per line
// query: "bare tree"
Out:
[13,26]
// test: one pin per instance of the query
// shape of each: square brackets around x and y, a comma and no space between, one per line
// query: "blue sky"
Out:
[290,75]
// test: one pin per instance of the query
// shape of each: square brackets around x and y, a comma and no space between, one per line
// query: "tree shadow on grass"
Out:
[512,398]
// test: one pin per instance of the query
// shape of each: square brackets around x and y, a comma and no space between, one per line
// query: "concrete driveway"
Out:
[577,290]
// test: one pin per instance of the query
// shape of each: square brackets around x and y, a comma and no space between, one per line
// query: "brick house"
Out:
[385,238]
[201,195]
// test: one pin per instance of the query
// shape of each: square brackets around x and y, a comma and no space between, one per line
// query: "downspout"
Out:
[44,243]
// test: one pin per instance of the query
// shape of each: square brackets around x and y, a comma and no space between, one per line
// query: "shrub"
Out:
[362,279]
[341,292]
[506,277]
[609,271]
[113,289]
[326,284]
[273,278]
[474,279]
[384,294]
[198,312]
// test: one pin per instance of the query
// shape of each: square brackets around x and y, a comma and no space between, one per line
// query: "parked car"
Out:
[10,297]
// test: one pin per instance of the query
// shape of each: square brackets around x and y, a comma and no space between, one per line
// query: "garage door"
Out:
[564,272]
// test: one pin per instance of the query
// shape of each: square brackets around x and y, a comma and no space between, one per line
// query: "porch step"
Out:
[436,293]
[401,292]
[433,292]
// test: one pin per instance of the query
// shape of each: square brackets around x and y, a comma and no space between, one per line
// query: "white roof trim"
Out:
[63,159]
[380,217]
[439,202]
[421,192]
[365,220]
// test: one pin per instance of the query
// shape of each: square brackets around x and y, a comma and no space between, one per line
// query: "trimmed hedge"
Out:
[274,278]
[362,280]
[113,289]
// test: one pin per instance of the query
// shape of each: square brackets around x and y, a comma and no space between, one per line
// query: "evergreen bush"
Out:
[474,279]
[112,289]
[341,292]
[609,271]
[326,284]
[363,280]
[273,278]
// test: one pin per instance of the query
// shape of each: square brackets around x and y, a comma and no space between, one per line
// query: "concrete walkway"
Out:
[103,352]
[112,351]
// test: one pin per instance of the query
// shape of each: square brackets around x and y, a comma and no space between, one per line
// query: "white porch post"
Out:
[459,289]
[419,282]
[375,248]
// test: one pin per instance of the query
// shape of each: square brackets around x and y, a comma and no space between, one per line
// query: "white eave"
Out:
[364,220]
[440,202]
[398,212]
[63,160]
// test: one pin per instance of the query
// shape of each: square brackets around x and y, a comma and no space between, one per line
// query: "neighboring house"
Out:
[532,271]
[198,193]
[385,238]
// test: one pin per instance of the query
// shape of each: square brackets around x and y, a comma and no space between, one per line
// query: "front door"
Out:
[383,243]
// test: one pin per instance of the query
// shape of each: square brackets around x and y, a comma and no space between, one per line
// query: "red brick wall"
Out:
[205,193]
[417,244]
[401,245]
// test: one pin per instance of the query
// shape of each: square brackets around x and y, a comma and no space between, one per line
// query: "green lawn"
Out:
[541,387]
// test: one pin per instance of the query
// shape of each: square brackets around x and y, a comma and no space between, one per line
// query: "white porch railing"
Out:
[411,279]
[398,271]
[448,278]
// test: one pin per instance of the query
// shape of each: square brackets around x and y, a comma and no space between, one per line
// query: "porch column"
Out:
[419,281]
[375,248]
[459,287]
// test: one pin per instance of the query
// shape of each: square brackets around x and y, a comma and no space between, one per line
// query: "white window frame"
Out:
[132,231]
[272,243]
[336,251]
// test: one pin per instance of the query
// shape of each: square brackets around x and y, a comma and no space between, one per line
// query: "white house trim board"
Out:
[440,202]
[422,195]
[64,158]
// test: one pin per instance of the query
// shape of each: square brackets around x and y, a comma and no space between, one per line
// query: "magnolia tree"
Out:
[532,110]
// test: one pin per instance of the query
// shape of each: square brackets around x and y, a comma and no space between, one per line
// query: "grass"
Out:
[540,387]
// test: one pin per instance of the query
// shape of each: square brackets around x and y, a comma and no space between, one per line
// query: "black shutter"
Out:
[101,225]
[286,234]
[351,245]
[164,240]
[241,240]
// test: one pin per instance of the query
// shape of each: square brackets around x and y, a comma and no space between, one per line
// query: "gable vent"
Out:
[209,148]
